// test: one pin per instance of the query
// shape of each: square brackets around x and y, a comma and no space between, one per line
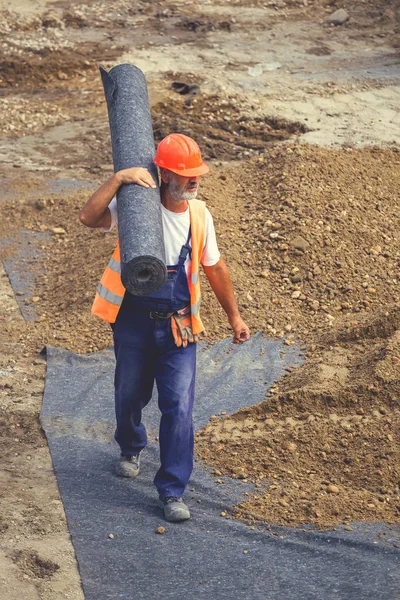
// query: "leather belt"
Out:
[160,316]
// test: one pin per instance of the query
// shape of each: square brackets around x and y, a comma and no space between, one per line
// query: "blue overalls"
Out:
[145,351]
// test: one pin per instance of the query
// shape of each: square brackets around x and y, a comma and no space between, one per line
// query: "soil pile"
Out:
[310,234]
[323,448]
[220,126]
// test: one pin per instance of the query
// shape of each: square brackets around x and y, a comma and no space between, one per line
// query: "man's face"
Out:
[182,188]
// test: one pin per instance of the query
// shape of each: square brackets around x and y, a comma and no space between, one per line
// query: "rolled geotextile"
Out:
[143,268]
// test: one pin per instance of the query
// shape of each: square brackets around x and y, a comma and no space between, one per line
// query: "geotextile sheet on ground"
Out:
[113,521]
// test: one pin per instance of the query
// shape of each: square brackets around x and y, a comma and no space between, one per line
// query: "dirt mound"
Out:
[349,366]
[320,268]
[223,130]
[52,66]
[299,237]
[324,446]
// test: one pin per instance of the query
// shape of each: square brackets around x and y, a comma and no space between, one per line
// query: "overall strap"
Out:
[186,249]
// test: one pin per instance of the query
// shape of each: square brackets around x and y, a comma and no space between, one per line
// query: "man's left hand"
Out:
[181,325]
[241,331]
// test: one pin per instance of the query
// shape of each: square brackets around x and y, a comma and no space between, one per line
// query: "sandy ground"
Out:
[268,72]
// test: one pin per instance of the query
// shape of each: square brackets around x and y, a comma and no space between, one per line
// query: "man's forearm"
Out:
[95,212]
[221,284]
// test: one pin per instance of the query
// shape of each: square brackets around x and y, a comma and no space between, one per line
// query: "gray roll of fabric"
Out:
[143,268]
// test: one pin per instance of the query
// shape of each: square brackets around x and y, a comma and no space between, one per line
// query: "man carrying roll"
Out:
[154,336]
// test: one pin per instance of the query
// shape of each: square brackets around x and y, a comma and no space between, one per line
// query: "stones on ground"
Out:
[161,530]
[189,89]
[58,231]
[111,536]
[296,294]
[52,20]
[346,425]
[255,71]
[299,243]
[40,204]
[332,489]
[290,446]
[272,66]
[297,278]
[338,17]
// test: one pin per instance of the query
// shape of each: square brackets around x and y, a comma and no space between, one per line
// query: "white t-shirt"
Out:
[176,229]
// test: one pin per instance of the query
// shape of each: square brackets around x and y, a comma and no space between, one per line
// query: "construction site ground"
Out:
[299,121]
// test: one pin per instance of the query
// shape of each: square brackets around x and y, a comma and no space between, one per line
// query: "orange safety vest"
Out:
[110,291]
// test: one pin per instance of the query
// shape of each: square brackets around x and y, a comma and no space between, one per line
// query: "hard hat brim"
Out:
[202,170]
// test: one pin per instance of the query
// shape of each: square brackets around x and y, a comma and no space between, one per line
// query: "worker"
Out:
[155,336]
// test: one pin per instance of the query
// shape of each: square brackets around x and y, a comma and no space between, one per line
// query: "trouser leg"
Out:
[175,377]
[134,379]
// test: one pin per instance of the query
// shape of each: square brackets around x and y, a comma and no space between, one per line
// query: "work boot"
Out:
[128,466]
[174,509]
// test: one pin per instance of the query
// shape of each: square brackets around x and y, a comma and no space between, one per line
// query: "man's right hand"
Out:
[96,213]
[138,175]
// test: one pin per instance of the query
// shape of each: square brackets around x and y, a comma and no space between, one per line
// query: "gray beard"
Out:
[180,195]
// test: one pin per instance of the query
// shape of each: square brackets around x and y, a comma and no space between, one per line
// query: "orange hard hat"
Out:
[180,154]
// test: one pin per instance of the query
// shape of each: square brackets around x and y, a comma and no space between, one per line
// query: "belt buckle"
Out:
[159,316]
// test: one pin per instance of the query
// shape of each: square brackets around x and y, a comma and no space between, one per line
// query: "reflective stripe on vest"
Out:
[108,295]
[194,308]
[110,291]
[114,265]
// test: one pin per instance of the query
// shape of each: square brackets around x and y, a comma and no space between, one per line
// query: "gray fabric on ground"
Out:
[203,557]
[143,269]
[18,266]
